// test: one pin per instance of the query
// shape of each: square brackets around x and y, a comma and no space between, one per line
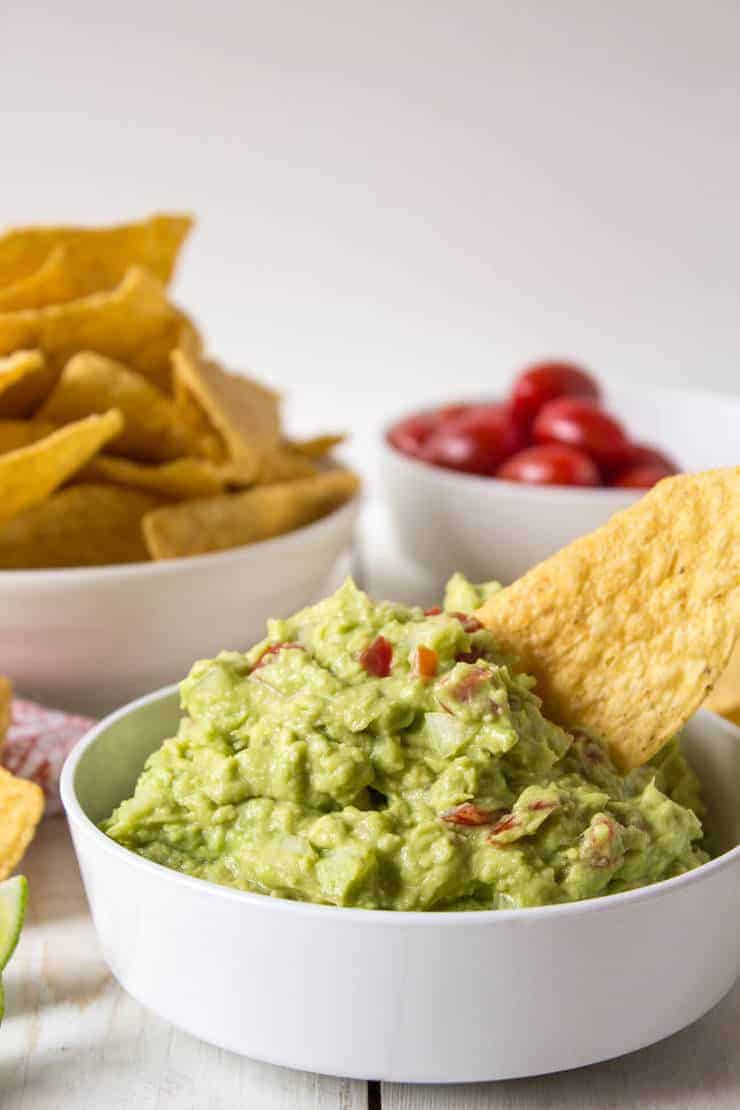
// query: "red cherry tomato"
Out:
[545,382]
[642,454]
[411,434]
[579,423]
[476,442]
[642,477]
[451,412]
[551,465]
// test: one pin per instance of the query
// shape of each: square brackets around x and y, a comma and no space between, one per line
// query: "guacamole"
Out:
[376,755]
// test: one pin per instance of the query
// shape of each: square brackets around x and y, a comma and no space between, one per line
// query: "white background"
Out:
[402,201]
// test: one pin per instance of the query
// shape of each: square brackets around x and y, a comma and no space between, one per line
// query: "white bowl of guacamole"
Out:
[361,848]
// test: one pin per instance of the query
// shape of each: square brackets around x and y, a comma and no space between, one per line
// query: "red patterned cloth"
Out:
[38,742]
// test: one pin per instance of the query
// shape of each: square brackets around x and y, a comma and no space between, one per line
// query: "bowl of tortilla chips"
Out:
[152,507]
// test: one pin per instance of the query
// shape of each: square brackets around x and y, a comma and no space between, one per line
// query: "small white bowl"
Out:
[489,528]
[408,997]
[88,639]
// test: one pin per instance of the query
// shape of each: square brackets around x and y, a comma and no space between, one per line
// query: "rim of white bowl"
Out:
[43,576]
[459,479]
[462,480]
[417,918]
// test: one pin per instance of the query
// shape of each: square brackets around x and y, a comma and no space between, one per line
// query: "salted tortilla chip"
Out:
[134,323]
[19,433]
[281,464]
[153,429]
[235,519]
[6,701]
[21,809]
[14,368]
[96,257]
[80,525]
[54,282]
[180,480]
[318,446]
[25,379]
[295,458]
[725,697]
[627,629]
[206,441]
[245,414]
[30,474]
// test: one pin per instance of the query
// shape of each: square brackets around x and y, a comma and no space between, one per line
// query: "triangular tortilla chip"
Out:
[282,464]
[14,368]
[627,629]
[30,474]
[21,809]
[134,323]
[97,256]
[245,414]
[318,446]
[234,519]
[725,697]
[153,431]
[80,525]
[180,480]
[25,379]
[55,282]
[6,700]
[207,443]
[19,433]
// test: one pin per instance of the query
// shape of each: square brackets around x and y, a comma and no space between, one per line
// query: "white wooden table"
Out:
[73,1040]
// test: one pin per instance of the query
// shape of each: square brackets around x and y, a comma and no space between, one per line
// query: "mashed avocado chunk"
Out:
[376,755]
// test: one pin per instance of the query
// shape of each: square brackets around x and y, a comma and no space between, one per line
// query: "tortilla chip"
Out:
[96,258]
[245,414]
[207,443]
[30,474]
[54,282]
[19,433]
[6,701]
[14,368]
[628,629]
[25,379]
[318,446]
[282,464]
[153,430]
[235,519]
[134,323]
[21,809]
[180,480]
[725,697]
[81,525]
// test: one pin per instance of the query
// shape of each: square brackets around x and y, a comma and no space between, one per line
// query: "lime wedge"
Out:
[13,898]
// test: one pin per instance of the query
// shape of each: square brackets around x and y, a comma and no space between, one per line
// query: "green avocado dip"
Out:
[375,755]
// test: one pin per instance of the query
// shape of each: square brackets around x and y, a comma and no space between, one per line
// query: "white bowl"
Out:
[488,528]
[427,997]
[91,638]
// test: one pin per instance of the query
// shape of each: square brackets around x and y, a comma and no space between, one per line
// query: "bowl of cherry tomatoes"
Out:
[491,487]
